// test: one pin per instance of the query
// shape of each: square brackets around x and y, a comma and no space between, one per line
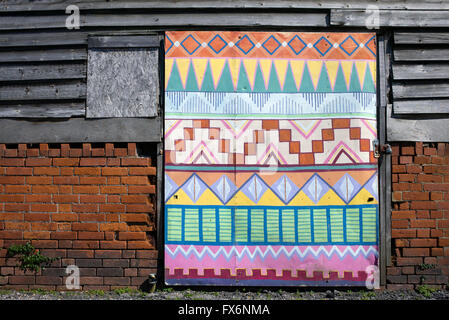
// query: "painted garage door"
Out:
[270,177]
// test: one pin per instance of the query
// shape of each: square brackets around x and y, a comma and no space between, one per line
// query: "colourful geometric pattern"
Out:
[267,75]
[343,187]
[270,177]
[234,105]
[279,142]
[271,225]
[306,45]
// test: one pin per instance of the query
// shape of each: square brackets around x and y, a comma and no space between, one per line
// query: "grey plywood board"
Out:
[122,83]
[403,128]
[140,41]
[80,130]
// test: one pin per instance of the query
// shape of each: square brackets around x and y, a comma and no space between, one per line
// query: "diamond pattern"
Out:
[271,45]
[347,187]
[217,44]
[349,45]
[315,188]
[372,186]
[170,187]
[245,44]
[297,45]
[322,46]
[190,44]
[254,188]
[224,188]
[285,189]
[194,187]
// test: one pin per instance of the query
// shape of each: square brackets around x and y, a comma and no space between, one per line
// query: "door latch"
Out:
[380,149]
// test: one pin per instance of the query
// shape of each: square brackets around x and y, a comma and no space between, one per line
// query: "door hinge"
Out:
[380,149]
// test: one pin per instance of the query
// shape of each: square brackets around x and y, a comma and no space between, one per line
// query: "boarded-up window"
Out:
[122,77]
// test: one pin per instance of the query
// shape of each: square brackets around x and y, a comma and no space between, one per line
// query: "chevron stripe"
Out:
[256,105]
[275,252]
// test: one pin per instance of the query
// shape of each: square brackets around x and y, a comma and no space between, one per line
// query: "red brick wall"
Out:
[420,215]
[92,205]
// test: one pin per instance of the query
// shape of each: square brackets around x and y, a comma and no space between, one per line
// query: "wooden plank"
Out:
[421,106]
[47,5]
[42,72]
[31,39]
[43,55]
[80,130]
[420,71]
[402,128]
[414,54]
[421,37]
[38,91]
[381,174]
[220,19]
[124,42]
[391,18]
[43,110]
[420,90]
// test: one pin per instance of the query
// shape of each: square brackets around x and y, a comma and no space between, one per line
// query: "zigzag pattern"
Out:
[228,105]
[272,142]
[268,75]
[253,252]
[308,45]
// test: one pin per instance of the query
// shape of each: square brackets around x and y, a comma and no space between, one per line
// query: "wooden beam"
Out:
[43,110]
[420,71]
[420,90]
[33,91]
[421,38]
[401,128]
[43,55]
[421,106]
[414,54]
[124,42]
[80,130]
[391,18]
[219,19]
[26,6]
[42,72]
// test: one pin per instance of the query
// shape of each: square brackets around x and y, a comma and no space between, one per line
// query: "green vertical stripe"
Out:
[352,225]
[209,225]
[304,225]
[288,225]
[320,225]
[336,223]
[174,221]
[241,225]
[225,225]
[191,225]
[257,225]
[272,225]
[369,225]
